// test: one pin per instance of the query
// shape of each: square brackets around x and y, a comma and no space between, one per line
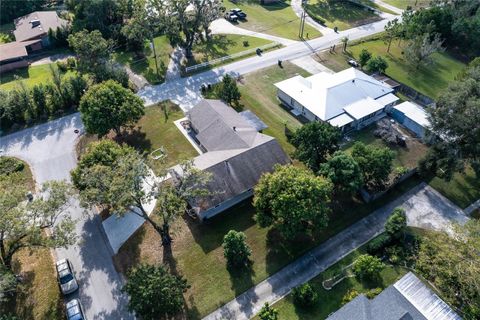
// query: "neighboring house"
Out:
[31,34]
[349,99]
[411,116]
[236,155]
[407,299]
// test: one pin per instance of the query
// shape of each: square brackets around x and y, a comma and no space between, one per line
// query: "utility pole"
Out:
[154,55]
[302,20]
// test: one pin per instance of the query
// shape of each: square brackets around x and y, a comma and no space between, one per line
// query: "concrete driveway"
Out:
[49,150]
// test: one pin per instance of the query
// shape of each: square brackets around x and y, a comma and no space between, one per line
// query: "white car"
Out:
[74,310]
[66,277]
[353,63]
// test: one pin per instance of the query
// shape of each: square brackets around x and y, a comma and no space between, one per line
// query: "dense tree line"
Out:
[10,10]
[23,105]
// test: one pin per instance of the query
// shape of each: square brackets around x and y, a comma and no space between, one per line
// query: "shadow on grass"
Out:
[129,254]
[135,138]
[209,234]
[241,277]
[13,75]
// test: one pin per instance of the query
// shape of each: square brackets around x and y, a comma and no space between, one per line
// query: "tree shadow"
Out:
[169,260]
[241,277]
[135,138]
[129,254]
[209,234]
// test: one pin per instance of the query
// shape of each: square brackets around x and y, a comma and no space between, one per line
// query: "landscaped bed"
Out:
[144,64]
[277,19]
[340,14]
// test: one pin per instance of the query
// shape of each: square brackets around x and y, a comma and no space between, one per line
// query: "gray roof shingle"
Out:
[25,30]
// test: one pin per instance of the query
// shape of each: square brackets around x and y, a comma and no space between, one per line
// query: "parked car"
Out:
[66,277]
[230,16]
[239,13]
[74,310]
[353,63]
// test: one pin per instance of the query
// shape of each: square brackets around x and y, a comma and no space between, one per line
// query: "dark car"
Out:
[74,310]
[239,13]
[230,16]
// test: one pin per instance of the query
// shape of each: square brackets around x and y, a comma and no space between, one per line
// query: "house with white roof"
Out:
[411,116]
[349,99]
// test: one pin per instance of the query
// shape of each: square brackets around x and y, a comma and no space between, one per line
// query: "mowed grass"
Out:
[341,14]
[38,296]
[331,300]
[31,76]
[403,4]
[277,19]
[429,80]
[156,130]
[223,45]
[145,64]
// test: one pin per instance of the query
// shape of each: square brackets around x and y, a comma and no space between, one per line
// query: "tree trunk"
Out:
[165,233]
[389,43]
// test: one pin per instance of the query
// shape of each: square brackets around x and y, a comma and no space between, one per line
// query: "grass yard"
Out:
[30,76]
[403,4]
[223,45]
[197,253]
[277,19]
[407,157]
[463,189]
[156,129]
[38,296]
[341,14]
[145,65]
[372,4]
[430,80]
[331,300]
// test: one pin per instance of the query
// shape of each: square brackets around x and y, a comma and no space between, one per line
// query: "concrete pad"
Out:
[308,63]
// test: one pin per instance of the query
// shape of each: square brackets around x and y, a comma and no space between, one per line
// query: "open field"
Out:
[145,65]
[31,76]
[403,4]
[277,19]
[341,14]
[331,300]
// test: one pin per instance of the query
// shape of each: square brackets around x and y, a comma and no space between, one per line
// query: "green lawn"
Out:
[462,190]
[331,300]
[155,130]
[224,45]
[372,4]
[30,76]
[277,19]
[38,296]
[341,14]
[145,64]
[403,4]
[407,157]
[429,80]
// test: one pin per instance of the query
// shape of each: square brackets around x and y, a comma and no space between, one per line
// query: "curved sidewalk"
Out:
[425,208]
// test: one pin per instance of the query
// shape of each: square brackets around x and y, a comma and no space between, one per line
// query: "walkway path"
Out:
[222,26]
[297,8]
[311,65]
[174,66]
[138,80]
[388,6]
[424,208]
[51,59]
[468,210]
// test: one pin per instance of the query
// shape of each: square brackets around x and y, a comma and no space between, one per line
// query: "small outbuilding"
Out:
[411,116]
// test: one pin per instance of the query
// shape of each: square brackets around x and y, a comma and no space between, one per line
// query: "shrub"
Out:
[235,249]
[372,293]
[245,43]
[396,223]
[349,296]
[10,165]
[71,63]
[367,267]
[268,313]
[364,57]
[378,244]
[377,64]
[62,66]
[304,295]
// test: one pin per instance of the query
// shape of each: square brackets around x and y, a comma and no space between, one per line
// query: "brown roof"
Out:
[14,50]
[26,30]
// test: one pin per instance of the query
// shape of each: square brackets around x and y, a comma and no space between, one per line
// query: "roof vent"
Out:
[234,128]
[353,80]
[35,23]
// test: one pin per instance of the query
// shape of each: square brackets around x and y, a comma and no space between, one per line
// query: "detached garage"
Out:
[412,116]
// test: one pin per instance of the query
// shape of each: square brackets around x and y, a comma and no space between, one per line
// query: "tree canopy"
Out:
[235,248]
[154,292]
[452,264]
[454,122]
[109,106]
[344,172]
[268,313]
[293,200]
[91,49]
[367,266]
[375,163]
[228,90]
[315,141]
[396,223]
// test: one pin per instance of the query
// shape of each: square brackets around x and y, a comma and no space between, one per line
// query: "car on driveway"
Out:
[353,63]
[239,13]
[74,310]
[66,277]
[230,16]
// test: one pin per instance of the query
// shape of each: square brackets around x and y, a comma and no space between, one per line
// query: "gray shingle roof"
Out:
[395,303]
[25,30]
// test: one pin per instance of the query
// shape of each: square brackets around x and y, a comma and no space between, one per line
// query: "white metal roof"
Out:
[362,108]
[326,95]
[414,112]
[340,120]
[387,99]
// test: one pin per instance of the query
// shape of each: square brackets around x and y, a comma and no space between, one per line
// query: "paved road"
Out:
[185,91]
[425,208]
[49,150]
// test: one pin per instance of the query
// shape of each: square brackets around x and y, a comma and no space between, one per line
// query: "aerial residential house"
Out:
[407,299]
[349,99]
[31,34]
[236,155]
